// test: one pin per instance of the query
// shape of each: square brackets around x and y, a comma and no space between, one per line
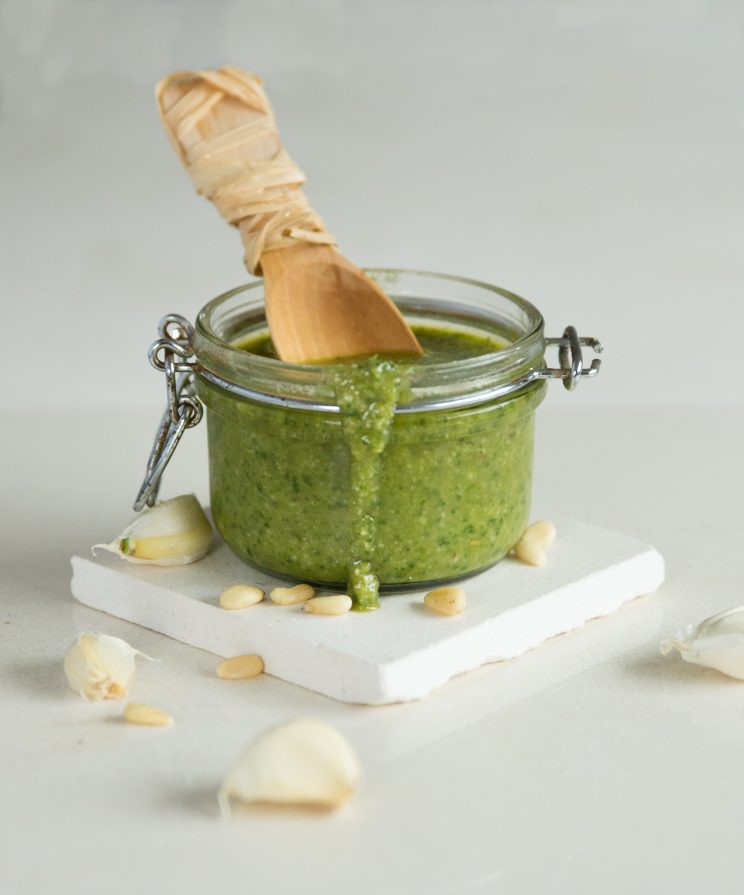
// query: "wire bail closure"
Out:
[572,365]
[172,354]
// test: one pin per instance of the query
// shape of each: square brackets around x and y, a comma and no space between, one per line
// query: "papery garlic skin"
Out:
[717,642]
[174,532]
[98,666]
[302,762]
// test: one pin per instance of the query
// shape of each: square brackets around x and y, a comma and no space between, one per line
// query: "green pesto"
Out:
[366,497]
[439,345]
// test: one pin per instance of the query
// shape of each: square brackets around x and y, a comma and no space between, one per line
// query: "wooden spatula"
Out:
[320,307]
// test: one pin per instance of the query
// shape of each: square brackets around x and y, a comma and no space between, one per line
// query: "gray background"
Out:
[587,155]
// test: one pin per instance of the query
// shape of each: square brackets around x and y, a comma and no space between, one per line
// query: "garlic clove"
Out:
[302,762]
[174,532]
[717,642]
[98,666]
[537,538]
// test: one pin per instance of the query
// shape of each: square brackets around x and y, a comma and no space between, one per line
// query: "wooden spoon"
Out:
[320,307]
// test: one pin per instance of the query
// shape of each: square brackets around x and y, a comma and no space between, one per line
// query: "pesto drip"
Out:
[367,393]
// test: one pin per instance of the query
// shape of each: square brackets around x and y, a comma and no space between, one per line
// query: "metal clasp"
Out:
[171,355]
[572,359]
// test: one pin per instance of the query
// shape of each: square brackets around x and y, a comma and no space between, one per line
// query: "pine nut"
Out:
[291,596]
[240,668]
[446,600]
[240,596]
[532,547]
[150,715]
[337,604]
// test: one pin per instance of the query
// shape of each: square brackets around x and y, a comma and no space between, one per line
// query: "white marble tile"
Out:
[399,653]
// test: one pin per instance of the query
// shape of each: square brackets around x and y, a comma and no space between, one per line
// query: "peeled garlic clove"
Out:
[717,642]
[532,547]
[174,532]
[302,762]
[98,666]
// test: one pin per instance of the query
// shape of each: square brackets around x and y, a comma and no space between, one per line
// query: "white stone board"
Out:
[399,653]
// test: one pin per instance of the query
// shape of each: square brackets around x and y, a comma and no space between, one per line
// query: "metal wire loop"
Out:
[176,327]
[193,408]
[171,355]
[571,358]
[169,346]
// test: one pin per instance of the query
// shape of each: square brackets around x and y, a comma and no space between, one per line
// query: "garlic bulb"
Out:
[302,762]
[174,532]
[717,642]
[98,666]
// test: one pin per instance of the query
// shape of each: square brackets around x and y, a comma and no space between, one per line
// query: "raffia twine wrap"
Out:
[236,159]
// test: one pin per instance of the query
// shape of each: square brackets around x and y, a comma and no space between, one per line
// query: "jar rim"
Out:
[382,272]
[234,366]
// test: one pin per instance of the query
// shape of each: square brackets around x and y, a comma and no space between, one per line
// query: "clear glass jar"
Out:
[455,477]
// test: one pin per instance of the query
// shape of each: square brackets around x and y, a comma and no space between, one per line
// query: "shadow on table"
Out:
[667,669]
[201,800]
[40,677]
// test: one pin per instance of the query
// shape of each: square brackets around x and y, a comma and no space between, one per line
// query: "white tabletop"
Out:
[592,764]
[586,154]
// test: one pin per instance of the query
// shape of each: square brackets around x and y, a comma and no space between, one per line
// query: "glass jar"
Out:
[455,476]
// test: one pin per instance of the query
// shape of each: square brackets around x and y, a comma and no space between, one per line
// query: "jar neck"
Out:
[451,301]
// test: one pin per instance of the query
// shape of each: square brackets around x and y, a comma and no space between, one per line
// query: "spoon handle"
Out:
[223,129]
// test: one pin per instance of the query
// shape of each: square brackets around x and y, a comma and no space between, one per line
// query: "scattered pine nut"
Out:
[291,596]
[532,547]
[240,596]
[149,715]
[446,600]
[337,604]
[240,668]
